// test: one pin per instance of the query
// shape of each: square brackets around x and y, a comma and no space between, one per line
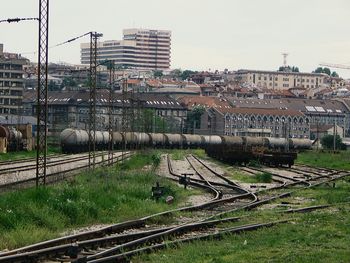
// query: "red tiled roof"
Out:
[134,81]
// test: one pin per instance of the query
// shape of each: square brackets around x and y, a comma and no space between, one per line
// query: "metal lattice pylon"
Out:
[124,110]
[41,140]
[92,99]
[110,113]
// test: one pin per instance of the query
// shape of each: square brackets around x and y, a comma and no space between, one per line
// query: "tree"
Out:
[176,73]
[68,82]
[52,86]
[158,74]
[295,69]
[327,71]
[327,142]
[335,74]
[194,119]
[187,73]
[323,70]
[288,68]
[318,70]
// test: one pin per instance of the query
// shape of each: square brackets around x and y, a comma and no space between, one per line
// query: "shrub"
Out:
[264,177]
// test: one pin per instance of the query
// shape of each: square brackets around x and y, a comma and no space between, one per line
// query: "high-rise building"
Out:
[11,82]
[139,49]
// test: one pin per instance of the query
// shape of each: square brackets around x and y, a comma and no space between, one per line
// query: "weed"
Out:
[264,177]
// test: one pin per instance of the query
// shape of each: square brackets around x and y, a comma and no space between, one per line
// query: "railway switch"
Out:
[157,191]
[184,179]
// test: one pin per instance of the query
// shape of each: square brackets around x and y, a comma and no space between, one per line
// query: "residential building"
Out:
[11,82]
[255,122]
[281,80]
[139,49]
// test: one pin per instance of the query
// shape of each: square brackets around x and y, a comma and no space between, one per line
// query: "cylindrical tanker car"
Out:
[13,138]
[232,149]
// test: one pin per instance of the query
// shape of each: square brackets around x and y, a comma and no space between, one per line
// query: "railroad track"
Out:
[60,175]
[121,241]
[49,163]
[29,159]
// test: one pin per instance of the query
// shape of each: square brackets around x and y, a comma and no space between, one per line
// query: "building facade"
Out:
[11,82]
[139,49]
[319,112]
[282,80]
[144,112]
[255,122]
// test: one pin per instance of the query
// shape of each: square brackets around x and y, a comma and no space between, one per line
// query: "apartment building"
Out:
[11,82]
[139,49]
[282,80]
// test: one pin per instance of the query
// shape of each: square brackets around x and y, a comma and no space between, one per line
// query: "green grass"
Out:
[103,197]
[26,154]
[320,236]
[179,154]
[330,160]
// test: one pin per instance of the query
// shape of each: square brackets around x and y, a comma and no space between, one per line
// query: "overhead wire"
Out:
[17,19]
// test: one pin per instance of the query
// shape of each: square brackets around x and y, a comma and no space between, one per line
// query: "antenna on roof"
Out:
[285,55]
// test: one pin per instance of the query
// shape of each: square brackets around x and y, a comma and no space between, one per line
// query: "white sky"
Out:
[206,34]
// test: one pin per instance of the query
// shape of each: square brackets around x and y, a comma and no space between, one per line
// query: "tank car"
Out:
[118,140]
[142,139]
[74,141]
[174,140]
[13,138]
[300,144]
[278,143]
[157,140]
[192,140]
[211,140]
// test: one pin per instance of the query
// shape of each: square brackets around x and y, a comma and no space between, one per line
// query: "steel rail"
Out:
[53,163]
[9,186]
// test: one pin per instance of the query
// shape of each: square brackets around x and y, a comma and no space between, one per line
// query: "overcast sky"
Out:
[206,34]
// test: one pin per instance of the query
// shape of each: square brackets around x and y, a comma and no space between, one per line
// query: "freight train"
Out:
[232,149]
[11,139]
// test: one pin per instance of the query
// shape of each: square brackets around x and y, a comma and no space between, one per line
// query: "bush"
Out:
[264,177]
[327,142]
[156,160]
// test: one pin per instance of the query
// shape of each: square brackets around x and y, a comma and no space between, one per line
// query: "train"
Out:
[231,149]
[11,139]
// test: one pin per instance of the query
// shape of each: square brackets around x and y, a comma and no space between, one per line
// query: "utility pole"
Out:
[41,137]
[334,136]
[92,101]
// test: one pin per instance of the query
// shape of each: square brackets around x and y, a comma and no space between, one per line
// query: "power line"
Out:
[71,40]
[16,20]
[61,44]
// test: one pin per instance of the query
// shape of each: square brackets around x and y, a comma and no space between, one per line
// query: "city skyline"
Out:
[205,35]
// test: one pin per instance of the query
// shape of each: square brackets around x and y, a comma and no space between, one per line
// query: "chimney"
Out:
[1,49]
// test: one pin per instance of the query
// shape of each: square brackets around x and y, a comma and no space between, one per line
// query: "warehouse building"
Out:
[255,122]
